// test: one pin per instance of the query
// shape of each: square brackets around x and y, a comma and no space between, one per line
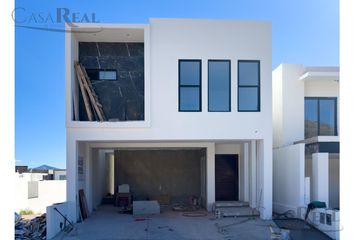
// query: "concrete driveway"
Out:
[106,223]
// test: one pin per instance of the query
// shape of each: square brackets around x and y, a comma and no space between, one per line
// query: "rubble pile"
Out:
[31,229]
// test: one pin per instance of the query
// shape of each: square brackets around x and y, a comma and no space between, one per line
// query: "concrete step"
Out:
[236,211]
[224,204]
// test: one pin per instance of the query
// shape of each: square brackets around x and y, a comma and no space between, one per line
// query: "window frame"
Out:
[318,115]
[249,86]
[189,86]
[220,60]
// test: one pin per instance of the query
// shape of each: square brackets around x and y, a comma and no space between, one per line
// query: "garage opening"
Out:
[169,176]
[226,177]
[172,176]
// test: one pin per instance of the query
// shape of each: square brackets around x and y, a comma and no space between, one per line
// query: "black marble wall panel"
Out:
[123,99]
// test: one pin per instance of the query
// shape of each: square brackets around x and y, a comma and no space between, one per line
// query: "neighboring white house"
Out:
[59,174]
[305,136]
[188,106]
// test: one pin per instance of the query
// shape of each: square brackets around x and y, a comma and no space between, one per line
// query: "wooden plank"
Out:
[84,94]
[91,92]
[83,204]
[92,99]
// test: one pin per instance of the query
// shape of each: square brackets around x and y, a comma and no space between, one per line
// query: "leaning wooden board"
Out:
[83,204]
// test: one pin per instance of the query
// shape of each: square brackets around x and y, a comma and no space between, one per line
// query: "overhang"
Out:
[320,74]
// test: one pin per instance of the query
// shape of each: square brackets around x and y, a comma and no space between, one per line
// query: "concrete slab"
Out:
[299,230]
[146,207]
[107,223]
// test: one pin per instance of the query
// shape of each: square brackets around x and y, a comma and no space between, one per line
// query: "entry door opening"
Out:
[226,177]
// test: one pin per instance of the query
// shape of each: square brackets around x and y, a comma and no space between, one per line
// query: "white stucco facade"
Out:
[248,134]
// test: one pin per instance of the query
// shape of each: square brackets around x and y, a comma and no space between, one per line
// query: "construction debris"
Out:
[35,228]
[279,234]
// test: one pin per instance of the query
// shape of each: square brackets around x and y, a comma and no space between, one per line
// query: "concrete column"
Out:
[266,164]
[110,172]
[210,168]
[71,177]
[307,191]
[245,172]
[253,175]
[319,181]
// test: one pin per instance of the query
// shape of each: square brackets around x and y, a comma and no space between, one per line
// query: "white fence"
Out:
[36,196]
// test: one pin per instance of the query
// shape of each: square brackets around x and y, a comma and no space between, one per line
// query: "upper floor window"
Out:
[248,86]
[320,116]
[219,82]
[189,85]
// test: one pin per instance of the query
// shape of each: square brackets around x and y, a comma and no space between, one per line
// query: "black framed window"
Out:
[219,84]
[102,74]
[248,85]
[189,77]
[320,116]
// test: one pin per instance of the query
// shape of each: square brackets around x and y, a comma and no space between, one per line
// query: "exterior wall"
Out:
[169,44]
[320,89]
[277,95]
[54,219]
[288,103]
[101,176]
[289,178]
[32,176]
[49,192]
[320,178]
[334,182]
[99,183]
[165,42]
[333,178]
[151,173]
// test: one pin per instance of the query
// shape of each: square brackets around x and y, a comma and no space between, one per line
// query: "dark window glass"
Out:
[189,85]
[219,85]
[108,75]
[248,99]
[189,98]
[98,74]
[311,115]
[249,86]
[189,72]
[248,73]
[320,117]
[327,117]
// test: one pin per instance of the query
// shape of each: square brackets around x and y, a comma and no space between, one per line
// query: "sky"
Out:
[305,32]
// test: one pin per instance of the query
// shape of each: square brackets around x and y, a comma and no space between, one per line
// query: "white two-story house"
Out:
[306,136]
[188,112]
